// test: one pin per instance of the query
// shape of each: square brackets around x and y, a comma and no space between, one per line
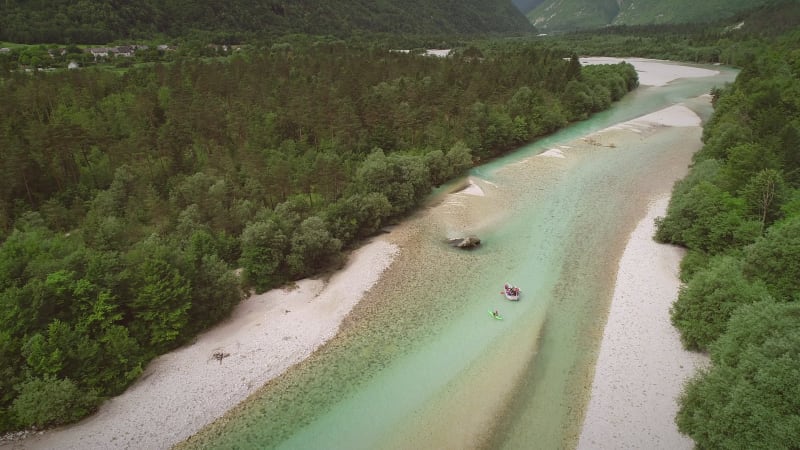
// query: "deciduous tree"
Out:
[750,397]
[162,304]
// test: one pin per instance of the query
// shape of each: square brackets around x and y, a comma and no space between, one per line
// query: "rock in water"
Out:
[468,242]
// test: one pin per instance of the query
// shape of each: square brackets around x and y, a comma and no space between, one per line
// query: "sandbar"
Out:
[653,72]
[641,366]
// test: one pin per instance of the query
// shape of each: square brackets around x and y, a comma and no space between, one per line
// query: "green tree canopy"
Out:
[750,397]
[312,248]
[708,219]
[775,259]
[50,401]
[264,247]
[162,303]
[402,179]
[707,301]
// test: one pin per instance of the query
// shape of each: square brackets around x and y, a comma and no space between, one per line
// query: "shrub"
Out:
[706,303]
[51,401]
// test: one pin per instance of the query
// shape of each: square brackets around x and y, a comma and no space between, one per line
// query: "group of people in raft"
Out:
[510,290]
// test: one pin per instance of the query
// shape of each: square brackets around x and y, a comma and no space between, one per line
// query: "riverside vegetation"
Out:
[128,199]
[738,213]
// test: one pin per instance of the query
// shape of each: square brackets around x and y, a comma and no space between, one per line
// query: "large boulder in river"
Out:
[468,242]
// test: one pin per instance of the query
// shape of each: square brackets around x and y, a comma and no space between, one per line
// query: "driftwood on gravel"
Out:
[219,356]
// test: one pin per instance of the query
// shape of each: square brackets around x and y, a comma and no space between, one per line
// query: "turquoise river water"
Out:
[420,364]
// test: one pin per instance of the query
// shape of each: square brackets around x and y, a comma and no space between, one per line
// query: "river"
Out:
[420,364]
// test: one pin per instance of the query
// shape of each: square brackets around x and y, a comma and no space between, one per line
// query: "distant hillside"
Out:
[98,21]
[526,6]
[562,15]
[573,14]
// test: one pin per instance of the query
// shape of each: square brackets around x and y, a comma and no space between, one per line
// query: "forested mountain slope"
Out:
[573,14]
[99,21]
[734,41]
[560,15]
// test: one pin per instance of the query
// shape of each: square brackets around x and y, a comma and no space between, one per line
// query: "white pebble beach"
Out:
[641,366]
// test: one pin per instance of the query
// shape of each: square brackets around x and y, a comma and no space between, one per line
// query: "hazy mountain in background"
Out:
[526,6]
[562,15]
[97,21]
[573,14]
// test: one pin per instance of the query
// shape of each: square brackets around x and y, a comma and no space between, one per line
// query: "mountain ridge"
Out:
[565,15]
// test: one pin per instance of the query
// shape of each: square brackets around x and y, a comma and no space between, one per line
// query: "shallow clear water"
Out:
[420,364]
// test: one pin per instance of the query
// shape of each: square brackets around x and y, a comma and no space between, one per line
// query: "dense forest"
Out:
[129,198]
[738,213]
[99,21]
